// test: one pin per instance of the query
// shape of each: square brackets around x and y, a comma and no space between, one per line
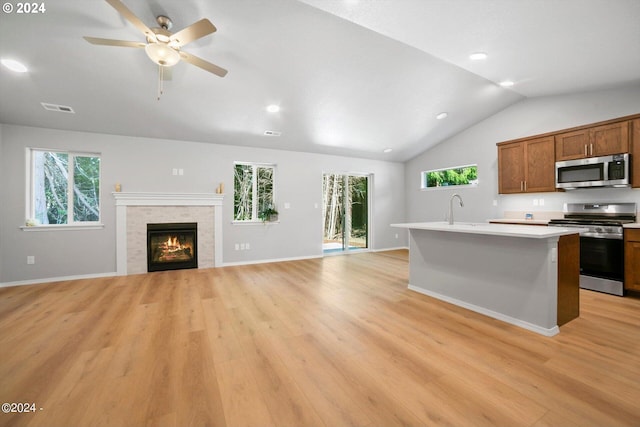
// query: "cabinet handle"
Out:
[585,150]
[591,149]
[525,186]
[521,185]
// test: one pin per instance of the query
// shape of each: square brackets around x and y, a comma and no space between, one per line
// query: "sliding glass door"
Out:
[345,212]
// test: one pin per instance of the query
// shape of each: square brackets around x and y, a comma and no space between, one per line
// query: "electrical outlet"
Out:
[180,171]
[396,235]
[31,259]
[174,171]
[541,202]
[535,202]
[247,246]
[242,246]
[237,247]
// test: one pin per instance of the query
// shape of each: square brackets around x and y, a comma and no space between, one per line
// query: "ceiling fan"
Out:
[163,46]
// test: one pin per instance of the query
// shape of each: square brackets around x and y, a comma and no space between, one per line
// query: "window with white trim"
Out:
[466,176]
[253,191]
[64,188]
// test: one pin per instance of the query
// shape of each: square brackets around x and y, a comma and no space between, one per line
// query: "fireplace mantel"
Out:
[168,199]
[125,200]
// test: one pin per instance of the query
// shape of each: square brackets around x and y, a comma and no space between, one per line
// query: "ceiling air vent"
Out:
[272,133]
[59,108]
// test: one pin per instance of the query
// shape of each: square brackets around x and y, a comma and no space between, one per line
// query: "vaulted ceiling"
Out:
[351,77]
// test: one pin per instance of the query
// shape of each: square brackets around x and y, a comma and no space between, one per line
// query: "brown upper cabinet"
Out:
[526,166]
[595,141]
[635,152]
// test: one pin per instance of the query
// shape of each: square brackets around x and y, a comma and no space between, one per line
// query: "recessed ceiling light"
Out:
[387,150]
[14,65]
[506,83]
[272,133]
[442,115]
[478,56]
[273,108]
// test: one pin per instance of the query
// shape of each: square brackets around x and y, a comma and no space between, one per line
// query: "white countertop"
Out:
[509,230]
[520,221]
[632,225]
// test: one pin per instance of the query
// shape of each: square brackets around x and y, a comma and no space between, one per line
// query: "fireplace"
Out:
[172,246]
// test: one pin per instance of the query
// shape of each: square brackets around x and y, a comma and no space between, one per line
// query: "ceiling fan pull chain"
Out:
[160,89]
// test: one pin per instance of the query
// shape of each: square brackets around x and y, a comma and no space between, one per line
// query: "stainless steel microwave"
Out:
[607,171]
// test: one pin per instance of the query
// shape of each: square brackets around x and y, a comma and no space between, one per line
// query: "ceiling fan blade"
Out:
[207,66]
[193,32]
[111,42]
[129,16]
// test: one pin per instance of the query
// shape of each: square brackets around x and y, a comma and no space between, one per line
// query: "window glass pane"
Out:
[242,192]
[50,177]
[86,191]
[265,188]
[463,175]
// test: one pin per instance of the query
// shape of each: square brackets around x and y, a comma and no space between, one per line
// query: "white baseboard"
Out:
[224,264]
[266,261]
[391,249]
[56,279]
[549,332]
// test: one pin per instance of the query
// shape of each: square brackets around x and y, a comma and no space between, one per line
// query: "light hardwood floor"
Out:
[325,342]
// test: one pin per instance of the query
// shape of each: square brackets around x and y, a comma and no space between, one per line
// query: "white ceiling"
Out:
[351,77]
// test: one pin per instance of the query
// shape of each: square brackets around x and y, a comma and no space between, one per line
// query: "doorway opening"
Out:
[345,212]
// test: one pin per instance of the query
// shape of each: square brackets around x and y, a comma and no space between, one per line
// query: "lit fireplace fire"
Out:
[173,249]
[172,246]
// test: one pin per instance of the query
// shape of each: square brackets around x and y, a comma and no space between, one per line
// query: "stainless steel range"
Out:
[602,245]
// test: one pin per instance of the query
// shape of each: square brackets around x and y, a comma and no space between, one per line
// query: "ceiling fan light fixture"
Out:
[162,54]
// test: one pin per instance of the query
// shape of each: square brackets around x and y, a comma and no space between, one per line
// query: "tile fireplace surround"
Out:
[135,210]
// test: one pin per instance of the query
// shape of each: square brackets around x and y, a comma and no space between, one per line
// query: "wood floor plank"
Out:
[332,341]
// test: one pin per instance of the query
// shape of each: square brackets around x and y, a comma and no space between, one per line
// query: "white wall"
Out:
[145,165]
[477,144]
[2,156]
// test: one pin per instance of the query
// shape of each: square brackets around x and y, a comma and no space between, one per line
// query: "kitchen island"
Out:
[527,276]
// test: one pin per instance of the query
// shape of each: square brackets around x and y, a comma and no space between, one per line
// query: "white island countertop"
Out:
[507,230]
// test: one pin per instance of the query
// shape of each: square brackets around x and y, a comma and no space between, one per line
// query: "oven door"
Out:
[602,264]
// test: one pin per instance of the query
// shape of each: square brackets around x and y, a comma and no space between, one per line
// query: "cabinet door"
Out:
[572,145]
[511,168]
[609,139]
[539,155]
[632,260]
[635,152]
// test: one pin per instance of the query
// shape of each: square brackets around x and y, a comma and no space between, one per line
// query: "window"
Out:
[65,187]
[253,191]
[459,175]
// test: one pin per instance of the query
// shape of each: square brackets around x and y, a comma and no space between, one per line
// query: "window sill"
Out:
[448,187]
[254,222]
[97,226]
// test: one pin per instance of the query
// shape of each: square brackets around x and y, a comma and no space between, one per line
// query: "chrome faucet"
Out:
[451,206]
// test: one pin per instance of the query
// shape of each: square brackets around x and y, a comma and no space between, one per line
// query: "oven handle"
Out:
[602,236]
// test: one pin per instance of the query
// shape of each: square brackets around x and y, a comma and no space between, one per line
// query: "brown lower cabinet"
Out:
[632,259]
